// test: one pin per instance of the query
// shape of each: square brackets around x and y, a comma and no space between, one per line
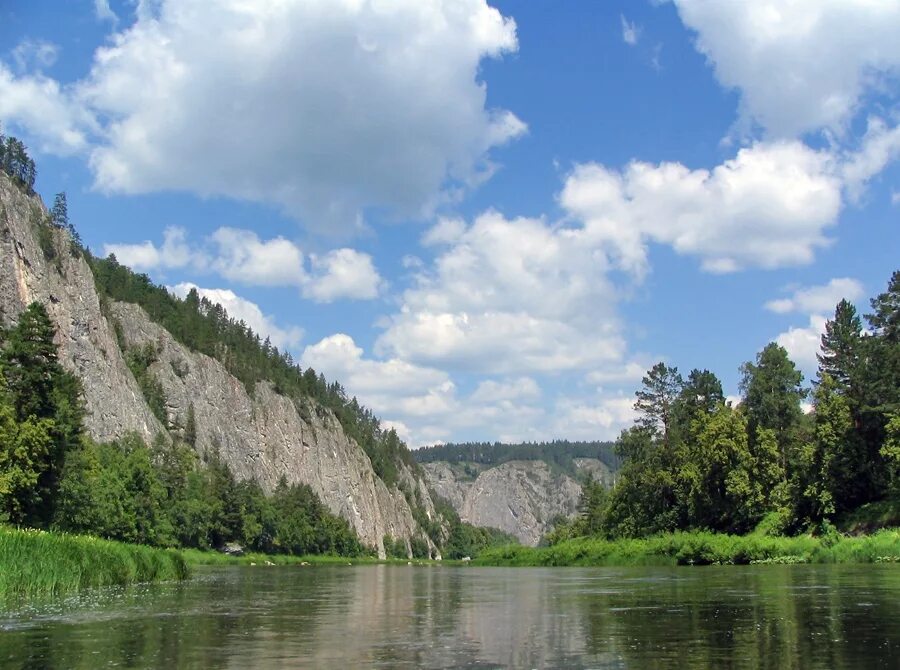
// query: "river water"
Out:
[445,616]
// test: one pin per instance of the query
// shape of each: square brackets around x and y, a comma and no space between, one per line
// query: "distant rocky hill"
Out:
[520,497]
[257,429]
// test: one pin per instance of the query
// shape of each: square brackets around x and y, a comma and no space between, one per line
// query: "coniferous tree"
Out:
[885,316]
[41,390]
[841,348]
[656,399]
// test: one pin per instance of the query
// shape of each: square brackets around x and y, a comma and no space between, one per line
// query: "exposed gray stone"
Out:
[519,497]
[262,435]
[65,286]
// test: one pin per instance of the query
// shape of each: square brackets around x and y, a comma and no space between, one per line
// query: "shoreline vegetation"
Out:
[197,557]
[702,548]
[36,564]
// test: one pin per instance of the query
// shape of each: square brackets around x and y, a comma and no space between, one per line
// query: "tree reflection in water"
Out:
[398,616]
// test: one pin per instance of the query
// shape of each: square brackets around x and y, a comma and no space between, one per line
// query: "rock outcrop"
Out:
[520,497]
[260,435]
[63,283]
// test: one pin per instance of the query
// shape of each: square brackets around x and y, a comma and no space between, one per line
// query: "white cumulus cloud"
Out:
[508,296]
[343,273]
[767,207]
[143,256]
[240,256]
[800,65]
[44,108]
[803,343]
[322,108]
[818,299]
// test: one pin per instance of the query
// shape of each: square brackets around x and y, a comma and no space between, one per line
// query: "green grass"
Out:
[699,548]
[35,564]
[198,557]
[871,517]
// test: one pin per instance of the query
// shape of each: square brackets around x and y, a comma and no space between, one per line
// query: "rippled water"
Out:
[430,617]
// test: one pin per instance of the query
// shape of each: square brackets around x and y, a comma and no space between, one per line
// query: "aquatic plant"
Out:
[35,563]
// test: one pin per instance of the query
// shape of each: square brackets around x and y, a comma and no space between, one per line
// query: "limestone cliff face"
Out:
[260,435]
[519,497]
[65,286]
[265,435]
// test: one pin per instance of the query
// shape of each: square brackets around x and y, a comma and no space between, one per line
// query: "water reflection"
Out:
[392,617]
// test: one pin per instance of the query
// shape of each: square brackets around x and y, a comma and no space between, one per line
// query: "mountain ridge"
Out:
[41,262]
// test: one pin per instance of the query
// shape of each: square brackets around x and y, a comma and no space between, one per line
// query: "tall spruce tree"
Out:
[41,390]
[841,352]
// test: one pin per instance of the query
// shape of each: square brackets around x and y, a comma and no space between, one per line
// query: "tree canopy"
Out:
[694,462]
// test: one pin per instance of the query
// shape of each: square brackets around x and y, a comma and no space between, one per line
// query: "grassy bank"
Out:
[38,564]
[703,549]
[197,557]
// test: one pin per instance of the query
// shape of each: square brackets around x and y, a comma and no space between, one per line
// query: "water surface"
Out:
[444,616]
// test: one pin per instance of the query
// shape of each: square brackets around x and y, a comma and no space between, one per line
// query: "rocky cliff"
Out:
[519,497]
[260,435]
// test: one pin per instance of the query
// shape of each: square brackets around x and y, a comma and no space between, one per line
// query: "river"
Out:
[444,616]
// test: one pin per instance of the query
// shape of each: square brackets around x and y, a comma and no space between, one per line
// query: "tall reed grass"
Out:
[701,548]
[35,564]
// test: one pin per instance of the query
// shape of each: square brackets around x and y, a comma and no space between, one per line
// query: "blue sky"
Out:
[486,219]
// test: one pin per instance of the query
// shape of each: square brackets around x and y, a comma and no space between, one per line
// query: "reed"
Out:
[36,564]
[702,548]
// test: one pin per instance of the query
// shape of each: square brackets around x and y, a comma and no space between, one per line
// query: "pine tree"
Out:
[661,387]
[701,396]
[59,213]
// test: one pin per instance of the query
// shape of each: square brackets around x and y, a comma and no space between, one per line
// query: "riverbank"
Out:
[195,557]
[697,548]
[36,564]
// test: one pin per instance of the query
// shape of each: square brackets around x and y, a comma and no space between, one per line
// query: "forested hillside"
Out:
[206,327]
[179,489]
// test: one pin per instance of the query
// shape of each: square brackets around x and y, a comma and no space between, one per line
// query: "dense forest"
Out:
[53,476]
[558,453]
[205,326]
[695,462]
